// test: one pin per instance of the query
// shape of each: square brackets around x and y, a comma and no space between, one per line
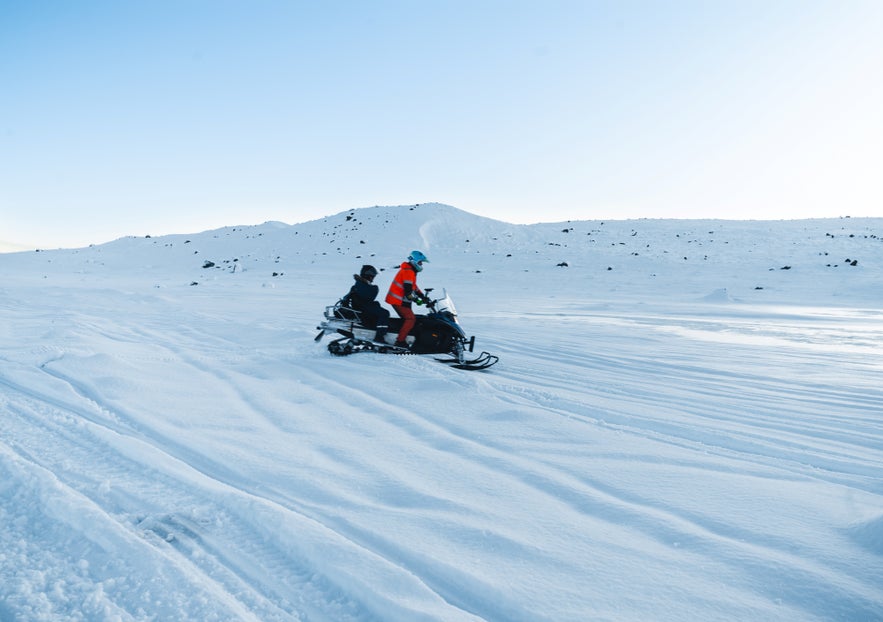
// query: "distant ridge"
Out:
[751,260]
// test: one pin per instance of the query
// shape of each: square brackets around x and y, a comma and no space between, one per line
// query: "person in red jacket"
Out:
[403,291]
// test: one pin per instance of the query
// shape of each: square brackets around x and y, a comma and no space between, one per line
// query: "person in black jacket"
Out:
[362,298]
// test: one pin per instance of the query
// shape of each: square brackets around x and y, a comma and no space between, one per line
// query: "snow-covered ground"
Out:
[686,423]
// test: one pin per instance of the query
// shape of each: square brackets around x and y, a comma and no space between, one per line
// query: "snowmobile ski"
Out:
[482,361]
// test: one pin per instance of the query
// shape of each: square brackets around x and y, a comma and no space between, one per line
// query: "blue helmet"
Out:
[417,259]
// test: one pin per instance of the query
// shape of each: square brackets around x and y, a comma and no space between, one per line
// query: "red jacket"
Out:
[402,285]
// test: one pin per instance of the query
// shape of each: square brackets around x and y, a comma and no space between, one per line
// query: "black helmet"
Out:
[368,272]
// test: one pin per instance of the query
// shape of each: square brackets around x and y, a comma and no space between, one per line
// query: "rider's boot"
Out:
[380,337]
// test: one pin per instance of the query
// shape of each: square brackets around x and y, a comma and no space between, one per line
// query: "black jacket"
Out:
[362,293]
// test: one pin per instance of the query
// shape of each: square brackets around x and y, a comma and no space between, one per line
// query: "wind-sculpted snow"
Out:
[660,441]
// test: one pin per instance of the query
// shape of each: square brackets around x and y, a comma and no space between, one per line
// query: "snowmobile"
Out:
[437,332]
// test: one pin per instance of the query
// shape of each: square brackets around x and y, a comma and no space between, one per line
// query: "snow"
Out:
[686,423]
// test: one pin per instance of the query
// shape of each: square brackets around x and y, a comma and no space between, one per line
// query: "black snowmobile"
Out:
[437,332]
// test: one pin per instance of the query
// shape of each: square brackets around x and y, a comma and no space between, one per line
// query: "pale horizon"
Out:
[10,247]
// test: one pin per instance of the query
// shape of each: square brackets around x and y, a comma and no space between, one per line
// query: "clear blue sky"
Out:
[150,117]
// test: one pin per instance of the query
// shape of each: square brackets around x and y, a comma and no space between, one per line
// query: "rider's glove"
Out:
[419,302]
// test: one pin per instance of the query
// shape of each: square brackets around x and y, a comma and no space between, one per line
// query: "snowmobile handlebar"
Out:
[425,299]
[422,298]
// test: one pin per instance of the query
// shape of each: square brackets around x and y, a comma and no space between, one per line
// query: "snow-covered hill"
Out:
[755,261]
[685,424]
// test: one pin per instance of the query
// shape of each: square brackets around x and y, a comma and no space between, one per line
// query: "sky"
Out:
[148,118]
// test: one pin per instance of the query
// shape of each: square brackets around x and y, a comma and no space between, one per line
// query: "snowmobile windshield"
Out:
[446,304]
